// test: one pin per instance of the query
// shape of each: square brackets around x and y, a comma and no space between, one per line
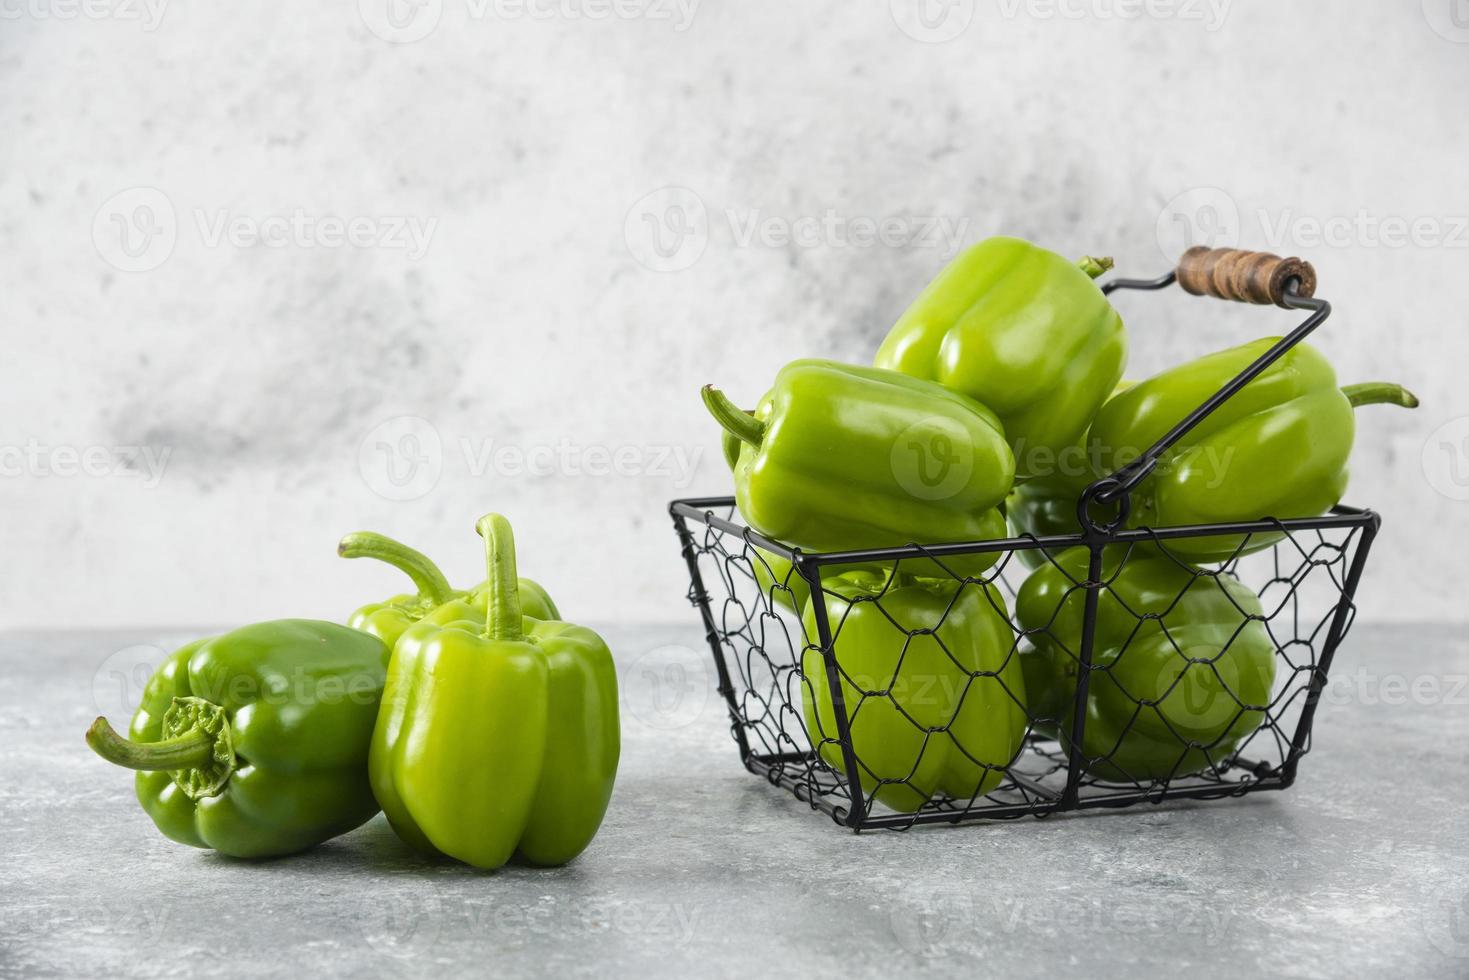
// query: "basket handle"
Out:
[1245,277]
[1224,273]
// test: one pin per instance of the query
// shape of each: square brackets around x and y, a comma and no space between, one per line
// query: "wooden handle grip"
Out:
[1245,277]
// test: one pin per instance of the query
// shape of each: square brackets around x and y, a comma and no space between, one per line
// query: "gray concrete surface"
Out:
[1361,870]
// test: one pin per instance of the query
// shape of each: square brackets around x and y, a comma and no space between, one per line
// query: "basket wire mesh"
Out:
[748,587]
[1150,708]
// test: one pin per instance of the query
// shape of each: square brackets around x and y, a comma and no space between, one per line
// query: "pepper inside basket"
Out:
[919,694]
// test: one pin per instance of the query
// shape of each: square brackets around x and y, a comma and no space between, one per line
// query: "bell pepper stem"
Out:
[1379,393]
[426,576]
[502,620]
[1095,267]
[736,421]
[192,751]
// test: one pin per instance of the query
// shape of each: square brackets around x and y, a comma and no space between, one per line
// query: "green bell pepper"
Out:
[255,743]
[498,735]
[1045,505]
[779,581]
[1277,449]
[840,458]
[1182,664]
[1023,331]
[933,692]
[774,574]
[389,619]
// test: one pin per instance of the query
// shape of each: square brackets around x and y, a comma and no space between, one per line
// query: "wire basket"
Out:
[1161,710]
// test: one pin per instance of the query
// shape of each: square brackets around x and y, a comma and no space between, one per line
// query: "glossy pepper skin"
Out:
[961,685]
[498,735]
[255,743]
[774,574]
[1022,330]
[1278,449]
[839,458]
[390,619]
[1182,666]
[1045,505]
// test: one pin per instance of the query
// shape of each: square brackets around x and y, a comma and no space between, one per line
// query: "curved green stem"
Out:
[502,615]
[737,422]
[426,576]
[1095,267]
[192,751]
[1379,393]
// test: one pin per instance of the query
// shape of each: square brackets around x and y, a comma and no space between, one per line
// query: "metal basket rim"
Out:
[701,509]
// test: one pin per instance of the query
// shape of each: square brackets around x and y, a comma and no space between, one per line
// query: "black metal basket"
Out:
[770,658]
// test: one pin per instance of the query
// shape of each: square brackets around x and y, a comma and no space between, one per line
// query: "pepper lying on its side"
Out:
[1277,449]
[255,743]
[774,574]
[840,458]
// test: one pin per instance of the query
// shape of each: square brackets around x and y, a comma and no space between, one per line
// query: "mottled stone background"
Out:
[204,388]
